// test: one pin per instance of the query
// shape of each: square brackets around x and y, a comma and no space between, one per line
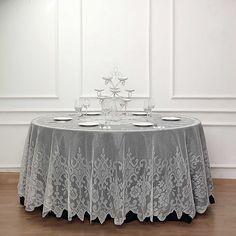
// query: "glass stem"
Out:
[148,116]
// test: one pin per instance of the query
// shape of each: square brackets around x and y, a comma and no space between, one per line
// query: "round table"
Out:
[150,171]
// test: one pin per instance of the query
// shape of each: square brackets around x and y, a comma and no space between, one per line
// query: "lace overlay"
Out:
[148,173]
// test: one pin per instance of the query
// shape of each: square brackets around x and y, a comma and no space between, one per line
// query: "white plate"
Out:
[88,124]
[171,118]
[143,124]
[63,118]
[93,113]
[140,113]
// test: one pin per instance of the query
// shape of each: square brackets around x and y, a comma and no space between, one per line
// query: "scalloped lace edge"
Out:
[119,221]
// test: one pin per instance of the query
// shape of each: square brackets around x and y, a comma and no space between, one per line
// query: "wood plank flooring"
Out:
[219,220]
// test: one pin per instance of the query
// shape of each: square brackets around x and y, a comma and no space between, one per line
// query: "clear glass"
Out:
[151,105]
[86,105]
[126,101]
[122,105]
[148,106]
[145,106]
[79,106]
[106,109]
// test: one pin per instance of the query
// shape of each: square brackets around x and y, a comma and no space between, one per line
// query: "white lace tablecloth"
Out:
[149,171]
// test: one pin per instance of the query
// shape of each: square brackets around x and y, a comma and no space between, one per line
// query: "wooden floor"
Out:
[220,219]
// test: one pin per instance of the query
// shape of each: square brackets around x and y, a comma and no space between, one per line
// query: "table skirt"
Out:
[151,174]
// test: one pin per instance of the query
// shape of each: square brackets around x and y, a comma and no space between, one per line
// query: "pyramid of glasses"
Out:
[115,100]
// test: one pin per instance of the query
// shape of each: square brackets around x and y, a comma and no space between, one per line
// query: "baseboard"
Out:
[221,171]
[9,168]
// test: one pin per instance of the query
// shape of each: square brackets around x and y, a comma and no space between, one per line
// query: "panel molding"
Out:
[173,94]
[15,124]
[33,110]
[142,96]
[215,97]
[35,96]
[219,124]
[54,95]
[197,110]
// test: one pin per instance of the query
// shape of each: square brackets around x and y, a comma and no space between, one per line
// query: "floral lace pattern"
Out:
[150,174]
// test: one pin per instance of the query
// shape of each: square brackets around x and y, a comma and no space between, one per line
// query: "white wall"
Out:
[181,52]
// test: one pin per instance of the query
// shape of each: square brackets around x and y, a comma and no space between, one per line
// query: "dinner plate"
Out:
[143,124]
[88,124]
[63,118]
[171,118]
[140,113]
[93,114]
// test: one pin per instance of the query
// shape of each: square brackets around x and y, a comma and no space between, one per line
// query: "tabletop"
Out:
[121,124]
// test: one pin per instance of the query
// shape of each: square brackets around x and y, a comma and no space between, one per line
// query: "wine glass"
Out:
[126,100]
[79,106]
[148,106]
[129,91]
[99,92]
[151,105]
[122,105]
[106,109]
[86,105]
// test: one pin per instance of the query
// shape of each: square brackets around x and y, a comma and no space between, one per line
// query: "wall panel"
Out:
[182,52]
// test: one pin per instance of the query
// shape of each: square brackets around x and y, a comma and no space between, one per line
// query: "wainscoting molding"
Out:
[225,124]
[15,124]
[32,110]
[35,96]
[196,110]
